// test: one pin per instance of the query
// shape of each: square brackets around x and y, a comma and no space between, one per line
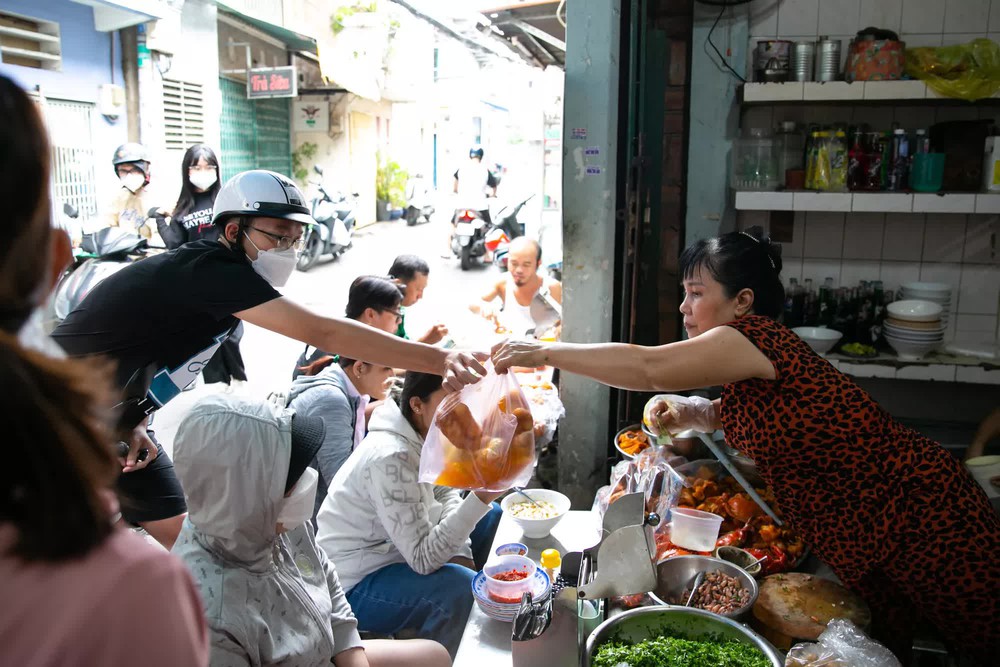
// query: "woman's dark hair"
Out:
[57,457]
[406,268]
[185,203]
[380,294]
[738,261]
[24,191]
[420,385]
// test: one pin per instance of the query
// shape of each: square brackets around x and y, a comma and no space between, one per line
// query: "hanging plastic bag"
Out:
[964,71]
[481,438]
[842,644]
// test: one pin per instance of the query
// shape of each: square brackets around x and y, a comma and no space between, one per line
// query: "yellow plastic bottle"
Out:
[551,561]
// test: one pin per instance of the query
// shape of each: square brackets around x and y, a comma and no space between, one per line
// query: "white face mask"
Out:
[298,507]
[275,266]
[203,180]
[133,181]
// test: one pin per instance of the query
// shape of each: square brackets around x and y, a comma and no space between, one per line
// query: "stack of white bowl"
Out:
[939,293]
[913,328]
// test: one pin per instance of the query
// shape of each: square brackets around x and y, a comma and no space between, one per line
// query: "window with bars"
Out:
[73,177]
[183,114]
[29,42]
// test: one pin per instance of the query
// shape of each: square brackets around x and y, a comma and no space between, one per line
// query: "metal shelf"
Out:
[868,202]
[841,91]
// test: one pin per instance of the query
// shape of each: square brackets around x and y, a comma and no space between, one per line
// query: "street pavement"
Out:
[270,357]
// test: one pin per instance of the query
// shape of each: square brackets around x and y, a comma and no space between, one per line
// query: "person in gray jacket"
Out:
[339,395]
[271,596]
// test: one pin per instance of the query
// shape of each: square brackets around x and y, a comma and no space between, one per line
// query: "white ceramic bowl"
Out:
[911,350]
[918,334]
[915,311]
[934,288]
[536,528]
[820,339]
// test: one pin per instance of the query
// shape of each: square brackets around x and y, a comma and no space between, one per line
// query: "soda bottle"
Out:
[900,162]
[822,178]
[857,162]
[873,171]
[838,161]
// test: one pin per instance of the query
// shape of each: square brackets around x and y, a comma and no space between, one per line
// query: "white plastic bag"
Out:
[481,438]
[842,644]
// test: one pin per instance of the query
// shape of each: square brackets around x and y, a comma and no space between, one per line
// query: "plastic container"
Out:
[693,529]
[755,161]
[792,143]
[927,173]
[509,592]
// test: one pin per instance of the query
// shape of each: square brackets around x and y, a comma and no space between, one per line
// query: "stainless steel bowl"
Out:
[686,444]
[633,427]
[637,625]
[675,574]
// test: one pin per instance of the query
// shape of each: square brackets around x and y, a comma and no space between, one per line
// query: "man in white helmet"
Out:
[167,315]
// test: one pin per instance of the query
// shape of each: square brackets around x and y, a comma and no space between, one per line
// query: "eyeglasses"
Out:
[399,315]
[283,242]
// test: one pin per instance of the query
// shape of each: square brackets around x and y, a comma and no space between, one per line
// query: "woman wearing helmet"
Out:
[132,201]
[170,314]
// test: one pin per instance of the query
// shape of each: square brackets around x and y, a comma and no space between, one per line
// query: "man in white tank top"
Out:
[529,303]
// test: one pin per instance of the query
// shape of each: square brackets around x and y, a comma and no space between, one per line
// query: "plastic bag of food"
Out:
[964,71]
[546,408]
[481,438]
[842,644]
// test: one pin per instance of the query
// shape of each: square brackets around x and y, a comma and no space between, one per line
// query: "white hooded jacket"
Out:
[376,513]
[269,599]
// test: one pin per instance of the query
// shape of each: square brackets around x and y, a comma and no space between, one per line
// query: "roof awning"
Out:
[293,40]
[111,15]
[533,29]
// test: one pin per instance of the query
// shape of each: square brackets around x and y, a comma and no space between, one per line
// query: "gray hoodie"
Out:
[377,513]
[269,599]
[328,395]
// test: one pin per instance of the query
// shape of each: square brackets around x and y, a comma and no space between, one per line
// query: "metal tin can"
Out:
[803,58]
[828,59]
[778,49]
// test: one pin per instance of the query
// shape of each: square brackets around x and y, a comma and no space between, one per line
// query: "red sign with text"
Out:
[272,82]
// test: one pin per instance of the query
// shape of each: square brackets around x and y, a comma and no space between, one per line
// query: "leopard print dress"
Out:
[895,515]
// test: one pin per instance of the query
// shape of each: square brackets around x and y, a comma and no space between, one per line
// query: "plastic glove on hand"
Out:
[667,415]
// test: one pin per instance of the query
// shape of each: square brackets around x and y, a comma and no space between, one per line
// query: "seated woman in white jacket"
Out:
[271,596]
[406,551]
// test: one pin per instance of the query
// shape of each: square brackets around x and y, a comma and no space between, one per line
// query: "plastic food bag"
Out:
[842,644]
[481,438]
[965,71]
[546,408]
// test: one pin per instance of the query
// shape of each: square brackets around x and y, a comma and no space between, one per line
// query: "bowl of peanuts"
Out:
[724,589]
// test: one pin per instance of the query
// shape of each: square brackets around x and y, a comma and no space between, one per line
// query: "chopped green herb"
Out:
[676,652]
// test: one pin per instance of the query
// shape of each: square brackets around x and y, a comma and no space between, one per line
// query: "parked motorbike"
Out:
[330,233]
[101,254]
[506,223]
[469,240]
[418,203]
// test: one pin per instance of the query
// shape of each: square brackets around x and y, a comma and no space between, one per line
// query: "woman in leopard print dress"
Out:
[897,517]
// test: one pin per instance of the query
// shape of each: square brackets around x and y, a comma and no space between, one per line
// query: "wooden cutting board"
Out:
[795,606]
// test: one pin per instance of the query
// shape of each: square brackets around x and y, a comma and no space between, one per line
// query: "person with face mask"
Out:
[167,315]
[191,218]
[131,204]
[271,596]
[62,559]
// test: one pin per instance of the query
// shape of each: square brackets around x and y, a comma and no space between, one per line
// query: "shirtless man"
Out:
[522,287]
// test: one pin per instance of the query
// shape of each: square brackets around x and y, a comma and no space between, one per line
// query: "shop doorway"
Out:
[255,133]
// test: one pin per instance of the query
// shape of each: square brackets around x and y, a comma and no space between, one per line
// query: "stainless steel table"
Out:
[486,642]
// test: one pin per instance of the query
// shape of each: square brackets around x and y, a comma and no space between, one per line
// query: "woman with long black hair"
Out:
[191,219]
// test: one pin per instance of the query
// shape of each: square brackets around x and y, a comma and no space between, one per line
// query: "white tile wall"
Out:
[980,290]
[980,236]
[904,237]
[944,238]
[994,18]
[839,17]
[923,16]
[966,15]
[894,274]
[819,270]
[943,273]
[881,14]
[863,234]
[824,235]
[764,17]
[799,17]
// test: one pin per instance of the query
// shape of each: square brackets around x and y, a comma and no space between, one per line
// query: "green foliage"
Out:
[344,11]
[678,652]
[390,182]
[300,158]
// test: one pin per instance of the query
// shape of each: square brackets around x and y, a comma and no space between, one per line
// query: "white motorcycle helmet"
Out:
[260,193]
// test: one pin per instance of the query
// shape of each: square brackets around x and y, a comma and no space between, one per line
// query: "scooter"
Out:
[510,229]
[469,240]
[418,203]
[330,234]
[101,254]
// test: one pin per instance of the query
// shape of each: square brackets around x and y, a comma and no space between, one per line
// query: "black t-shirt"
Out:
[194,225]
[172,310]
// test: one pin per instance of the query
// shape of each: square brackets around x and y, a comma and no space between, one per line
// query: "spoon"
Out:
[530,499]
[694,588]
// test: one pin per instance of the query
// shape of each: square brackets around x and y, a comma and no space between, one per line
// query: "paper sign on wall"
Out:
[311,116]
